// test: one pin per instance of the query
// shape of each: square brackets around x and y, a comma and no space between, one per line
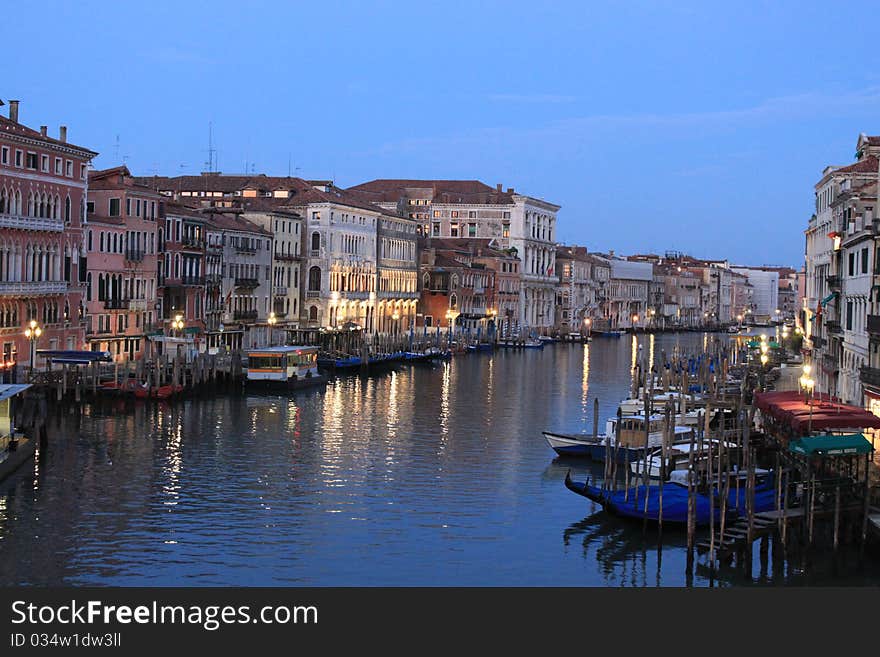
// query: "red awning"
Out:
[820,414]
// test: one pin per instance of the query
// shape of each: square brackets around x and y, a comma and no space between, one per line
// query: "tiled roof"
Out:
[867,165]
[11,127]
[181,210]
[232,221]
[441,191]
[107,179]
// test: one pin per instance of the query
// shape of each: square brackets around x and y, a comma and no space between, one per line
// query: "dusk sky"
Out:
[655,125]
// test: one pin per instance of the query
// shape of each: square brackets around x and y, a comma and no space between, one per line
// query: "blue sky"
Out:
[696,126]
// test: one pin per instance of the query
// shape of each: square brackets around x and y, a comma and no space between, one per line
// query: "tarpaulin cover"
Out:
[816,414]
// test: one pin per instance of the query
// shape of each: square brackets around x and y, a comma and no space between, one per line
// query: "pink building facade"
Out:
[123,249]
[43,187]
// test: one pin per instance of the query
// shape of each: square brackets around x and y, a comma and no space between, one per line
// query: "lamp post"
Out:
[807,383]
[635,318]
[177,324]
[33,333]
[492,325]
[589,324]
[272,320]
[395,316]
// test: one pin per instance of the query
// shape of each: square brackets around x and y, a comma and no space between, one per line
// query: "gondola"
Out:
[675,502]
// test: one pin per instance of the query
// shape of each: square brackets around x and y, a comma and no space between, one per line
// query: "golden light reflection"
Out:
[585,382]
[171,488]
[650,352]
[392,409]
[444,401]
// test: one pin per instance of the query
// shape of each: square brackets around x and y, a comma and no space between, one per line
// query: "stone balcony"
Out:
[31,223]
[32,288]
[874,324]
[870,376]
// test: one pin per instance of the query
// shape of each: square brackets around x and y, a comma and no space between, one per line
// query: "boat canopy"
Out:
[8,390]
[790,408]
[75,357]
[854,443]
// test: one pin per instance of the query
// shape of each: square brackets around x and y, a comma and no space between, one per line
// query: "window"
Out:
[505,215]
[435,229]
[472,214]
[90,207]
[128,207]
[18,156]
[114,207]
[82,171]
[31,161]
[4,155]
[436,213]
[69,170]
[472,230]
[44,163]
[505,230]
[852,263]
[865,260]
[57,166]
[455,214]
[849,315]
[453,230]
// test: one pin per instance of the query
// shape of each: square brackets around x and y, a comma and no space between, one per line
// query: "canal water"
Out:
[424,475]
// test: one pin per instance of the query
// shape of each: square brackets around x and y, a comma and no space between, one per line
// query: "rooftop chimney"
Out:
[43,130]
[13,111]
[62,134]
[498,187]
[510,190]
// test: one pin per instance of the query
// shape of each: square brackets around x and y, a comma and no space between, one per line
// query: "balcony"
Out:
[247,282]
[874,324]
[213,280]
[134,255]
[116,304]
[313,294]
[32,288]
[31,223]
[250,250]
[137,305]
[245,315]
[193,243]
[833,281]
[285,257]
[870,376]
[280,291]
[193,280]
[833,326]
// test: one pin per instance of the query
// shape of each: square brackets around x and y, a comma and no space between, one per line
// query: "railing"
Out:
[193,280]
[833,280]
[279,311]
[213,247]
[252,250]
[193,242]
[31,288]
[285,256]
[280,291]
[245,315]
[31,223]
[134,255]
[137,305]
[247,282]
[833,326]
[870,375]
[213,279]
[313,294]
[874,324]
[314,253]
[116,304]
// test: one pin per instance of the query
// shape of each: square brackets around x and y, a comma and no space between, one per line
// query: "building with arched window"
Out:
[43,186]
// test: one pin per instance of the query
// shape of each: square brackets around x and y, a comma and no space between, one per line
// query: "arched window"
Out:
[453,301]
[67,210]
[316,241]
[313,314]
[4,203]
[314,279]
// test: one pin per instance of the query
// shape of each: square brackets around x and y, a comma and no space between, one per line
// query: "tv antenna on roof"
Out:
[211,164]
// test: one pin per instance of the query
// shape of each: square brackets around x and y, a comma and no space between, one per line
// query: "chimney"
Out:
[43,130]
[62,134]
[498,187]
[13,111]
[510,190]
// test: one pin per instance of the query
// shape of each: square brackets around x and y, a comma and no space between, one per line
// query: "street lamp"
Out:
[395,316]
[32,333]
[635,318]
[272,320]
[807,384]
[589,324]
[177,323]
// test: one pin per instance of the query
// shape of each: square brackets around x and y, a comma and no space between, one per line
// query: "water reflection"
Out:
[424,475]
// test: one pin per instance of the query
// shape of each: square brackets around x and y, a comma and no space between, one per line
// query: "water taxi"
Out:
[15,448]
[291,366]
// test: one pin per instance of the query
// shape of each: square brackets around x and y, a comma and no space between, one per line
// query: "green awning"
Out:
[854,443]
[828,298]
[192,329]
